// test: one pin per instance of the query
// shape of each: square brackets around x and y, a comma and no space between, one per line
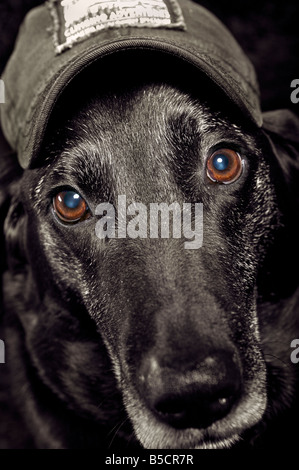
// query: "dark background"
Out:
[267,30]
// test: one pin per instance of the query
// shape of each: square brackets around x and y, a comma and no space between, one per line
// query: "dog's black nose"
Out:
[193,397]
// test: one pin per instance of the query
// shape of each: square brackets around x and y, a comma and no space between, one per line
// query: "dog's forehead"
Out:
[143,103]
[130,138]
[143,112]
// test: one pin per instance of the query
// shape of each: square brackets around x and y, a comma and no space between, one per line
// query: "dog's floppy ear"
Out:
[11,215]
[281,129]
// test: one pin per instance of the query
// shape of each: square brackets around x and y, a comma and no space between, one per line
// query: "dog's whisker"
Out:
[116,429]
[285,364]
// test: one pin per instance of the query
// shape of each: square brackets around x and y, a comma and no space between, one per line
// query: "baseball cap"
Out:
[60,38]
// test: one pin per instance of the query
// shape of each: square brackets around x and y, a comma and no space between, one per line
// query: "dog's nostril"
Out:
[170,406]
[193,409]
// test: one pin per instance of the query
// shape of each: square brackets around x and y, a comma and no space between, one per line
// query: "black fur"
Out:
[84,318]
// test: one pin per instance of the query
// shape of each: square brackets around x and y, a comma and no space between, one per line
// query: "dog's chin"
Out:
[223,434]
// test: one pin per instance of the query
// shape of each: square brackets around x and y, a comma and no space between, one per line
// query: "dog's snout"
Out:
[194,397]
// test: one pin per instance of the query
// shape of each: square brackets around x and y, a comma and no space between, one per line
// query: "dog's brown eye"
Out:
[70,206]
[224,166]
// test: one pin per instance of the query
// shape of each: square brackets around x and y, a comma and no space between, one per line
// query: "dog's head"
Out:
[184,320]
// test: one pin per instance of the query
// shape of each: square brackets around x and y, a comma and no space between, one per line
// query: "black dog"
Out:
[121,342]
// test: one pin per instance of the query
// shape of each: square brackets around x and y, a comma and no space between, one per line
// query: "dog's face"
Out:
[181,327]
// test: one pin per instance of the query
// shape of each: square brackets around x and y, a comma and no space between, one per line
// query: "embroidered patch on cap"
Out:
[75,20]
